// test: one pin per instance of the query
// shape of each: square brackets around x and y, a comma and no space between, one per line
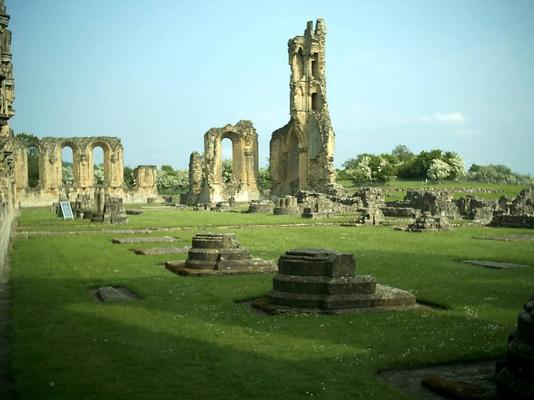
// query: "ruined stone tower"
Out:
[302,152]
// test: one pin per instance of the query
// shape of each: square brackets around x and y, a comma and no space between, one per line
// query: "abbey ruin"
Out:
[8,200]
[302,152]
[52,186]
[206,184]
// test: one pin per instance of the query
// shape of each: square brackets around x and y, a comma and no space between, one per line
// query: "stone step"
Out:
[161,250]
[324,285]
[149,239]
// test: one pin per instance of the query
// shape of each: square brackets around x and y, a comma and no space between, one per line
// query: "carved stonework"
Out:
[244,164]
[302,151]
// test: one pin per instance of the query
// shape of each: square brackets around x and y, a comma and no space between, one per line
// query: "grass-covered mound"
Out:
[190,338]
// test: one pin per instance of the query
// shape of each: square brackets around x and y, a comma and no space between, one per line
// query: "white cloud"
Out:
[454,118]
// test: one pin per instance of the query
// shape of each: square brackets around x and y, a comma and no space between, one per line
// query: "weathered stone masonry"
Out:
[302,152]
[8,200]
[51,187]
[206,184]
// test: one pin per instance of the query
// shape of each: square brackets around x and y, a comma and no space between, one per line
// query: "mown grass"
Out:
[42,219]
[396,189]
[188,338]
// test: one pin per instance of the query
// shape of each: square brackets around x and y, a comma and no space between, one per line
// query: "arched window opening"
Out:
[293,161]
[227,158]
[315,65]
[298,64]
[99,176]
[33,157]
[67,166]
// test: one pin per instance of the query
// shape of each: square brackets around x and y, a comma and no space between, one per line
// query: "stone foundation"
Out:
[320,280]
[218,253]
[427,223]
[287,206]
[260,207]
[515,374]
[513,221]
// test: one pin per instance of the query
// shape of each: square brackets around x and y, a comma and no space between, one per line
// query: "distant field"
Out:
[396,189]
[189,338]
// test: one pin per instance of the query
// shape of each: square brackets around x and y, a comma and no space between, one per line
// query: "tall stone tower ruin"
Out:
[302,152]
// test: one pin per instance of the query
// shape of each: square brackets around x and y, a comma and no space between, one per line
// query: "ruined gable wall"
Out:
[244,163]
[302,152]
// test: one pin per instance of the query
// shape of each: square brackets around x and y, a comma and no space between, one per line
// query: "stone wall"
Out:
[195,179]
[51,187]
[8,195]
[524,202]
[302,152]
[8,205]
[206,183]
[513,221]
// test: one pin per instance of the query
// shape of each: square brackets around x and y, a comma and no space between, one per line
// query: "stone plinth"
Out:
[115,208]
[308,212]
[218,253]
[260,207]
[321,280]
[287,206]
[515,374]
[222,206]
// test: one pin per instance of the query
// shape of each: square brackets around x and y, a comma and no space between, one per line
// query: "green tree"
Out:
[369,169]
[438,170]
[264,175]
[227,171]
[402,153]
[98,174]
[456,165]
[67,174]
[496,173]
[129,177]
[418,166]
[169,180]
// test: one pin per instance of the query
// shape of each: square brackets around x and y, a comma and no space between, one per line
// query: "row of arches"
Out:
[51,163]
[67,177]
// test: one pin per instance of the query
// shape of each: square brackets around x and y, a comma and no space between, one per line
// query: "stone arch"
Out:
[33,160]
[299,64]
[296,156]
[238,155]
[21,157]
[106,150]
[70,144]
[244,159]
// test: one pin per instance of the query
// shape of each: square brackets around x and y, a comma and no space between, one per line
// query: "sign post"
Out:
[66,210]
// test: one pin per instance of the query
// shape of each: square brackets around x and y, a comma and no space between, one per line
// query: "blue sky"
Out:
[455,75]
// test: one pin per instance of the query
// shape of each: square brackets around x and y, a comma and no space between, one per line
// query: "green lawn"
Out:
[396,189]
[42,219]
[189,338]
